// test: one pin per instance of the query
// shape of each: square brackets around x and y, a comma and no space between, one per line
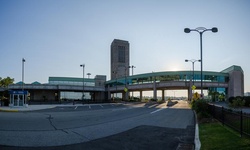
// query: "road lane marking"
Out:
[76,107]
[89,107]
[156,110]
[119,109]
[101,106]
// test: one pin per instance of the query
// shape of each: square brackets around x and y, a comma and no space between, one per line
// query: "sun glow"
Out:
[174,67]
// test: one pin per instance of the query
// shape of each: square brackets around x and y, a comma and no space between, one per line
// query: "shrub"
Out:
[247,101]
[160,101]
[201,108]
[153,100]
[237,102]
[246,98]
[230,99]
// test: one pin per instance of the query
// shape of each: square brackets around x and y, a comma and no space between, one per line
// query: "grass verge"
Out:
[215,136]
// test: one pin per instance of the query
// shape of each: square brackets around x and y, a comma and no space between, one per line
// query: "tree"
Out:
[5,82]
[214,95]
[222,97]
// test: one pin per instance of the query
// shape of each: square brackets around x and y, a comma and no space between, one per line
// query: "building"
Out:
[119,54]
[236,81]
[229,81]
[247,94]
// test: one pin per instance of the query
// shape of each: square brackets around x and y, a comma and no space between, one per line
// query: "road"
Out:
[86,124]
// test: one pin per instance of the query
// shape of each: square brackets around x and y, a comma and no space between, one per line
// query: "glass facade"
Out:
[170,76]
[66,95]
[74,95]
[71,81]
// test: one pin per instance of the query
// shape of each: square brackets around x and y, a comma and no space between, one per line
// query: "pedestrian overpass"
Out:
[174,80]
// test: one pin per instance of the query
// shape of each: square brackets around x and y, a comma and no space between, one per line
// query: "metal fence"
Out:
[235,119]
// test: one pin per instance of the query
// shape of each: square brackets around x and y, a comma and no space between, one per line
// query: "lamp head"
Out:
[187,30]
[214,29]
[199,60]
[186,60]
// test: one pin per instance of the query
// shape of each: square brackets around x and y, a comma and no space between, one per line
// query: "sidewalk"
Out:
[29,108]
[34,107]
[224,104]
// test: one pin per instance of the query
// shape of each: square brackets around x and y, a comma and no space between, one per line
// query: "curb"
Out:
[6,110]
[196,138]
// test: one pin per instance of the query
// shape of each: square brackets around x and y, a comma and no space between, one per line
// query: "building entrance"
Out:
[18,98]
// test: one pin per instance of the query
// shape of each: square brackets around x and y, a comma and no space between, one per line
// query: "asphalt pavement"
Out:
[110,126]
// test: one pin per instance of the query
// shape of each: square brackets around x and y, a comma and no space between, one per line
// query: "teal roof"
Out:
[36,82]
[71,79]
[232,68]
[20,82]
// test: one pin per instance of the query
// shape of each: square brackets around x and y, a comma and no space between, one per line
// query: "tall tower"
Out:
[119,59]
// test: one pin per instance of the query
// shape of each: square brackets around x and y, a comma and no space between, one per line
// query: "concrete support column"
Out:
[124,96]
[155,90]
[140,95]
[190,91]
[190,94]
[109,94]
[163,94]
[58,95]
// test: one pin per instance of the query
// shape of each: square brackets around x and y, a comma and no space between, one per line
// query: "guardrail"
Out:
[235,119]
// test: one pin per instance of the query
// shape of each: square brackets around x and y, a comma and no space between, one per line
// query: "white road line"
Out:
[89,107]
[101,106]
[76,107]
[157,110]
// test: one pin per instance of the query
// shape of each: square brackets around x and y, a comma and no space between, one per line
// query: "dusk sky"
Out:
[56,36]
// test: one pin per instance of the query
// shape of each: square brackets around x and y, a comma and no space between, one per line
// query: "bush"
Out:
[201,108]
[245,98]
[230,99]
[153,100]
[134,99]
[247,101]
[160,101]
[237,102]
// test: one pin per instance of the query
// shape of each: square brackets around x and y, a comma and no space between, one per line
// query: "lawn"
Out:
[214,136]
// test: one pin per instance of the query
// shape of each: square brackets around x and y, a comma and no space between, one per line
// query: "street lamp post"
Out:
[23,60]
[126,89]
[132,75]
[88,74]
[193,61]
[132,69]
[24,98]
[83,66]
[201,30]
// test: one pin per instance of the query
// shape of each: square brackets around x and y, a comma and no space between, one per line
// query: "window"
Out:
[121,54]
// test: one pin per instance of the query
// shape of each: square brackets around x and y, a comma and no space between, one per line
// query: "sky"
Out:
[56,36]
